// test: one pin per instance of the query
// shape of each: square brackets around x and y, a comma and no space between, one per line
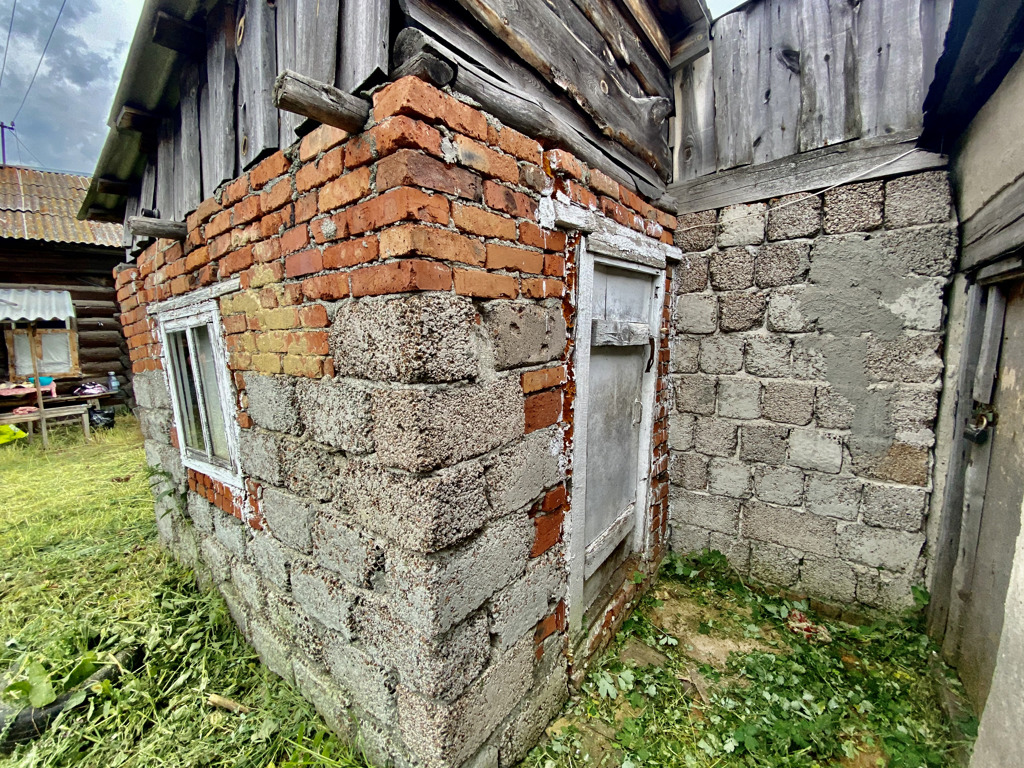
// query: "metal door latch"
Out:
[982,419]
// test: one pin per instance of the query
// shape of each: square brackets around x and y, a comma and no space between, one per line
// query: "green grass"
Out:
[84,578]
[866,698]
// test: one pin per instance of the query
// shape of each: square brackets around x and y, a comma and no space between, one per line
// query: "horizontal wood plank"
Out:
[996,229]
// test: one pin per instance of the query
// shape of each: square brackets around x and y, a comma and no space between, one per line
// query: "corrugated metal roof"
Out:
[42,205]
[28,304]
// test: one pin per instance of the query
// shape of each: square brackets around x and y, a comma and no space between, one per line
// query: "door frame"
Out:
[591,252]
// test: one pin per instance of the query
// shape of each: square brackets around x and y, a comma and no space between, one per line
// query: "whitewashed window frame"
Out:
[181,316]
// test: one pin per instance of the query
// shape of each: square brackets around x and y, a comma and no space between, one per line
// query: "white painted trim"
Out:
[579,569]
[608,237]
[188,300]
[184,317]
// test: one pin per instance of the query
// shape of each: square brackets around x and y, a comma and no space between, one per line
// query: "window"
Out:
[55,347]
[202,395]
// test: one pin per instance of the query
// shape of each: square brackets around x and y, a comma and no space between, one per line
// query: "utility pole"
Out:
[4,128]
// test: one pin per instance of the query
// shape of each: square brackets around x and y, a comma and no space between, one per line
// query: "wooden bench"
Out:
[51,414]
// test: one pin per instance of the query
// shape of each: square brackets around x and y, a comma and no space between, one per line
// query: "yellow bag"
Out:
[10,433]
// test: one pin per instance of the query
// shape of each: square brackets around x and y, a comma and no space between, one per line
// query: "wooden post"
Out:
[322,102]
[143,226]
[32,339]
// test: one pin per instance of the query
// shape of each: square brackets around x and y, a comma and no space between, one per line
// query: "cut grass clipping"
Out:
[710,673]
[83,579]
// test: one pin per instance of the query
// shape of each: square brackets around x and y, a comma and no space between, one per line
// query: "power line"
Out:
[7,45]
[33,80]
[23,145]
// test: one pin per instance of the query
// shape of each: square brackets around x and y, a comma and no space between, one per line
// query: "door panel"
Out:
[984,604]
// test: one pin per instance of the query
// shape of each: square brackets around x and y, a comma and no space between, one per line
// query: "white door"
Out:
[619,316]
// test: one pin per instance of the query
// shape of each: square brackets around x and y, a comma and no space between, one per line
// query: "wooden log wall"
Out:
[788,76]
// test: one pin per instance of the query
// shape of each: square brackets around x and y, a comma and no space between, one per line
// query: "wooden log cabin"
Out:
[43,246]
[449,319]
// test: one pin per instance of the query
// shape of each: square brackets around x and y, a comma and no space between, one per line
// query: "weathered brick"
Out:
[408,168]
[400,277]
[545,378]
[303,263]
[531,234]
[351,252]
[479,221]
[481,158]
[401,204]
[319,140]
[485,284]
[401,132]
[410,239]
[344,190]
[543,409]
[515,143]
[412,96]
[509,201]
[294,239]
[511,258]
[327,287]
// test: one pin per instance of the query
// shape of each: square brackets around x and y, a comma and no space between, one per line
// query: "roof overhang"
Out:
[27,305]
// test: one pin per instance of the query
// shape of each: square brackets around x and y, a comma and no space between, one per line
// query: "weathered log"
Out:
[143,226]
[321,102]
[427,67]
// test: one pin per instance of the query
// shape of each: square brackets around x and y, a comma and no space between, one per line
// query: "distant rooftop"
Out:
[42,205]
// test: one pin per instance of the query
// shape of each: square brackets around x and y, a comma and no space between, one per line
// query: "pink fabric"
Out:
[16,391]
[24,410]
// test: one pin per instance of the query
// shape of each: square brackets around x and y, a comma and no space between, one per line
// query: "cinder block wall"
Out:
[401,355]
[806,362]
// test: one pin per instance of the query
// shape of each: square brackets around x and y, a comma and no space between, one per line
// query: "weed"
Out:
[84,579]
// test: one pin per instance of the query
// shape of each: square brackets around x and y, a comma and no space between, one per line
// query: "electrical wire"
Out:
[33,80]
[23,145]
[7,45]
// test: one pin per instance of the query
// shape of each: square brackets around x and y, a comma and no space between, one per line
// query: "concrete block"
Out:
[526,726]
[881,548]
[419,512]
[156,424]
[239,612]
[741,225]
[259,456]
[427,337]
[271,559]
[768,356]
[833,496]
[437,667]
[150,389]
[793,216]
[272,647]
[680,431]
[900,463]
[854,208]
[890,592]
[808,359]
[696,313]
[741,311]
[435,592]
[783,263]
[920,305]
[923,198]
[324,596]
[832,410]
[516,609]
[331,703]
[895,507]
[828,578]
[446,735]
[773,564]
[248,584]
[524,333]
[272,401]
[913,412]
[784,315]
[714,437]
[217,559]
[811,449]
[736,551]
[729,478]
[688,538]
[739,398]
[789,528]
[231,533]
[907,359]
[684,354]
[764,442]
[201,512]
[717,513]
[310,469]
[721,354]
[691,275]
[779,485]
[521,472]
[289,517]
[369,686]
[341,549]
[696,231]
[419,429]
[787,402]
[688,470]
[167,459]
[733,268]
[694,393]
[336,413]
[930,251]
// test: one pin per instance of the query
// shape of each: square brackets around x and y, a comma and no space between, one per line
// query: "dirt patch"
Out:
[637,654]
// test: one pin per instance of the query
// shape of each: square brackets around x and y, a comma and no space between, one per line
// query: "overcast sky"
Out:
[64,121]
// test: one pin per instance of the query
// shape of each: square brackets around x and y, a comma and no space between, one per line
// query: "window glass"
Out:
[207,370]
[185,389]
[56,353]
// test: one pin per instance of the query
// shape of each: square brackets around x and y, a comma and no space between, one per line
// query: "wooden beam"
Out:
[142,226]
[696,43]
[995,229]
[96,213]
[860,160]
[119,187]
[426,67]
[321,102]
[179,35]
[649,24]
[138,120]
